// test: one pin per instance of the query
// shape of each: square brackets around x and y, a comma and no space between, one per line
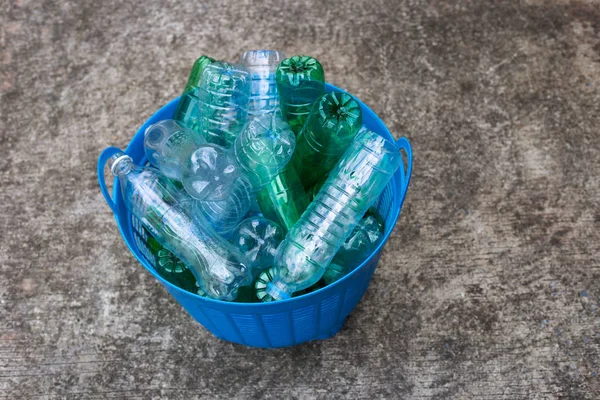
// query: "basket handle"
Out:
[104,156]
[403,144]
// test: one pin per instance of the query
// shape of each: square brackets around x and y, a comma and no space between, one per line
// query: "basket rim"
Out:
[266,307]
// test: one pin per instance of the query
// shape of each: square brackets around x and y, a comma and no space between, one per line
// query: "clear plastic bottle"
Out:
[261,151]
[206,171]
[258,238]
[332,124]
[300,82]
[352,187]
[223,96]
[169,215]
[187,108]
[262,64]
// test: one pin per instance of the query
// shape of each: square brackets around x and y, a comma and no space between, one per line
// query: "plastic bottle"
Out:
[223,96]
[187,108]
[262,64]
[332,124]
[261,151]
[258,238]
[362,241]
[283,200]
[206,171]
[300,82]
[353,185]
[169,215]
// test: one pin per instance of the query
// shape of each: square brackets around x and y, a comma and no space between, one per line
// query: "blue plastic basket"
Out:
[317,315]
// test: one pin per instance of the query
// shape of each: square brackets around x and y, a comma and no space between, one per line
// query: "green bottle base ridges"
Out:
[334,121]
[300,82]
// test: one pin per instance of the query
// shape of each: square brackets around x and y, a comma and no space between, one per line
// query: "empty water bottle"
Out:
[300,82]
[206,171]
[223,96]
[353,185]
[362,241]
[262,64]
[261,151]
[283,200]
[258,238]
[187,108]
[332,124]
[169,215]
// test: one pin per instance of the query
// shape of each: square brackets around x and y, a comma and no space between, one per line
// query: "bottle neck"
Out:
[120,164]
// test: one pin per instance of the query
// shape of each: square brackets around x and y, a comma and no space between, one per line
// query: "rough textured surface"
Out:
[489,287]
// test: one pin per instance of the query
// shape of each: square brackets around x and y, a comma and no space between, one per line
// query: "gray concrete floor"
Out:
[489,287]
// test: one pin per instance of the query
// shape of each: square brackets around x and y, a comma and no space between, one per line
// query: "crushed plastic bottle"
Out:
[169,215]
[207,171]
[223,96]
[334,121]
[261,151]
[258,238]
[362,241]
[300,82]
[352,187]
[262,65]
[283,200]
[187,108]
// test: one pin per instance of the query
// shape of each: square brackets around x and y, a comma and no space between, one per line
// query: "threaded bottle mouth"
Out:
[120,163]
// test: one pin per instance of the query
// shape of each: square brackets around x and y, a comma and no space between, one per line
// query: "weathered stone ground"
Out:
[489,287]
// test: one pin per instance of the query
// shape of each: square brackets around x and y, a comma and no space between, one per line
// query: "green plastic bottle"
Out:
[187,109]
[334,121]
[283,200]
[300,82]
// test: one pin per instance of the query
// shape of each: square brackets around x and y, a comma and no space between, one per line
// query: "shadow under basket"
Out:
[317,315]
